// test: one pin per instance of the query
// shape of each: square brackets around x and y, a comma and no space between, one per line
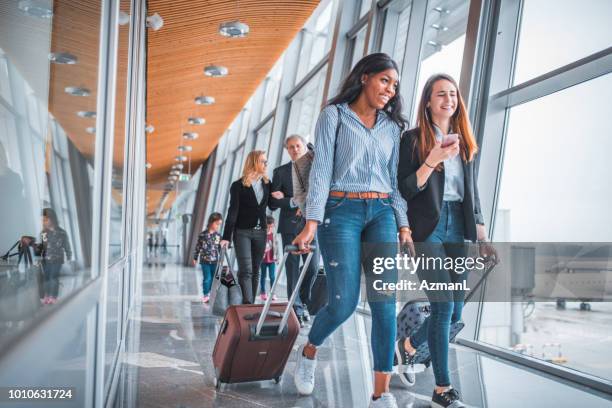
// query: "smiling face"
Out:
[443,101]
[380,88]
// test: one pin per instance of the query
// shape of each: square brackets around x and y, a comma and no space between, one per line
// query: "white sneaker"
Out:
[386,400]
[304,373]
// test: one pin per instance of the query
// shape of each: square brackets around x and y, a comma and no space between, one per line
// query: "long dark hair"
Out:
[352,86]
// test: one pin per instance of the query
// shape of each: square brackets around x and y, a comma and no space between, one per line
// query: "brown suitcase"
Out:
[251,348]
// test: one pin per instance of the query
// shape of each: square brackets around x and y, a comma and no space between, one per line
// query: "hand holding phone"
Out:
[449,139]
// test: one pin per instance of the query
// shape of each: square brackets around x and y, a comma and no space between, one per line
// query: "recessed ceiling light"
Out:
[215,71]
[91,130]
[175,173]
[181,158]
[155,22]
[234,29]
[190,135]
[185,148]
[196,121]
[178,166]
[76,91]
[63,58]
[148,166]
[124,18]
[37,8]
[204,100]
[149,128]
[86,114]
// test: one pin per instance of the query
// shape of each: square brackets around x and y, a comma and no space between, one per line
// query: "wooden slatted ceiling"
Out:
[189,41]
[74,28]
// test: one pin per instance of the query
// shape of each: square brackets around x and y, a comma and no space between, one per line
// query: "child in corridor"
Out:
[207,249]
[268,265]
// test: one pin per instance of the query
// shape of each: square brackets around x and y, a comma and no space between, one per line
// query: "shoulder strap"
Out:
[337,130]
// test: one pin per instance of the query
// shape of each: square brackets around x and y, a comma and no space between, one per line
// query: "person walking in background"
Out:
[207,250]
[290,222]
[270,259]
[437,178]
[54,249]
[246,221]
[150,243]
[353,200]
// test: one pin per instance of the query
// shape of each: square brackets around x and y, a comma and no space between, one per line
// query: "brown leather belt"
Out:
[363,195]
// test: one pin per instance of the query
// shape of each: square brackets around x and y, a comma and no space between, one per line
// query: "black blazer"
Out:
[282,181]
[244,210]
[424,205]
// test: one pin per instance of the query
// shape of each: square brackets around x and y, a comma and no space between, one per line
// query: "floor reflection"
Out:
[171,364]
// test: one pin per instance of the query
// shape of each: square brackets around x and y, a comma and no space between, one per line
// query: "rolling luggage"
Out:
[414,313]
[255,341]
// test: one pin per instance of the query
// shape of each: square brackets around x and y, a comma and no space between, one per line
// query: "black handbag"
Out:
[318,293]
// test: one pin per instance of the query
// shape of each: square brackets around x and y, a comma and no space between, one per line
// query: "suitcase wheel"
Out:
[277,380]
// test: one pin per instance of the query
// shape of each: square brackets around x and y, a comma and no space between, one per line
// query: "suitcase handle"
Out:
[266,308]
[253,316]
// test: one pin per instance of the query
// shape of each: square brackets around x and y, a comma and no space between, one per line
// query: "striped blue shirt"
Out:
[365,160]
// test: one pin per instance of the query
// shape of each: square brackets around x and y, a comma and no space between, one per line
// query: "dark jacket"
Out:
[207,247]
[244,210]
[424,205]
[282,181]
[54,246]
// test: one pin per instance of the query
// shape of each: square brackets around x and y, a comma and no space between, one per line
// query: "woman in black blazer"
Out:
[246,221]
[436,176]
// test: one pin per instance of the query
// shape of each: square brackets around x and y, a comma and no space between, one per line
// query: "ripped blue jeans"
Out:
[355,231]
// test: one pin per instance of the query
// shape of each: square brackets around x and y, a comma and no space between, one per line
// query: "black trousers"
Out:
[250,246]
[292,267]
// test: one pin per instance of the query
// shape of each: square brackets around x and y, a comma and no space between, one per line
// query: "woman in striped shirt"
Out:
[355,208]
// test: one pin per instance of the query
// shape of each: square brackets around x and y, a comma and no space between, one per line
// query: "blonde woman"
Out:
[246,221]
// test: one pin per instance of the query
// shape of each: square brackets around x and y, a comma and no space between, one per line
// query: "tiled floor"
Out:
[172,364]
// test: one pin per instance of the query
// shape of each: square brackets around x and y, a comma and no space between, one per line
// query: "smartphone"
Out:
[449,139]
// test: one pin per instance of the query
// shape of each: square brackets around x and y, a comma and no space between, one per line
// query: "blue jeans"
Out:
[350,229]
[446,306]
[51,278]
[267,269]
[208,271]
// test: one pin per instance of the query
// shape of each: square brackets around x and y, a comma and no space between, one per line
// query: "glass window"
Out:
[5,89]
[36,176]
[366,5]
[305,108]
[316,38]
[556,202]
[395,33]
[116,216]
[443,41]
[262,137]
[357,47]
[577,28]
[272,87]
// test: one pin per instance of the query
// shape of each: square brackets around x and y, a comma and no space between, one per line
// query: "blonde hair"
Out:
[249,171]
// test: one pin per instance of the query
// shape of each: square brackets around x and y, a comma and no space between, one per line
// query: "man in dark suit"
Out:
[290,223]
